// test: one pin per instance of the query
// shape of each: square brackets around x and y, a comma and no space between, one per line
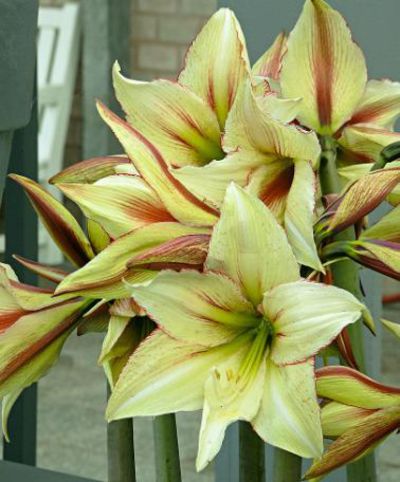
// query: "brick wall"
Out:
[161,31]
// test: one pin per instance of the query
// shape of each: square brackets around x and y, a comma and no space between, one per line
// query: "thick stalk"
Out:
[120,452]
[167,461]
[251,455]
[287,466]
[346,275]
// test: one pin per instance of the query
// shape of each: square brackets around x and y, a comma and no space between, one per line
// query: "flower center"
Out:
[259,348]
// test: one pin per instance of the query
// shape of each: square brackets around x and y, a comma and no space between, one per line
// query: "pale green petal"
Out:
[164,375]
[27,374]
[181,124]
[387,228]
[380,104]
[216,177]
[217,63]
[337,418]
[306,317]
[119,203]
[324,67]
[116,327]
[249,246]
[289,417]
[205,309]
[102,277]
[299,215]
[349,386]
[228,397]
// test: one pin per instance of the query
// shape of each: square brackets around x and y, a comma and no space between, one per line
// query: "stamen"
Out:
[257,351]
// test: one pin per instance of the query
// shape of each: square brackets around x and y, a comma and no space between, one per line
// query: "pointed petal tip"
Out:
[22,180]
[116,72]
[224,12]
[391,326]
[116,67]
[201,464]
[369,321]
[101,107]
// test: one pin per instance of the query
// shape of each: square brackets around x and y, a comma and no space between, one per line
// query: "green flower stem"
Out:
[346,275]
[251,455]
[389,153]
[120,451]
[287,466]
[167,461]
[335,249]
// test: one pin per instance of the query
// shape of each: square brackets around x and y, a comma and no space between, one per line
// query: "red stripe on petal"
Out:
[323,68]
[62,232]
[90,170]
[190,249]
[368,114]
[346,372]
[273,67]
[160,160]
[26,355]
[148,212]
[355,442]
[210,92]
[346,350]
[376,264]
[9,318]
[275,192]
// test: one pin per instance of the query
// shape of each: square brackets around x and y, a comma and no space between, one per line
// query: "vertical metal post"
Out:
[106,26]
[5,150]
[21,237]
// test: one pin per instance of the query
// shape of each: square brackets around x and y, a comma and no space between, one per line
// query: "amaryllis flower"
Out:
[273,161]
[33,328]
[238,339]
[359,414]
[210,118]
[114,317]
[155,220]
[185,118]
[326,69]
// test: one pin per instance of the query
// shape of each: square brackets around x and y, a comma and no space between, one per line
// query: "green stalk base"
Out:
[251,455]
[166,446]
[120,451]
[363,470]
[287,466]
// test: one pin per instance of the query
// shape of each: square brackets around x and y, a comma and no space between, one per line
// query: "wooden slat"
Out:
[50,94]
[49,17]
[46,41]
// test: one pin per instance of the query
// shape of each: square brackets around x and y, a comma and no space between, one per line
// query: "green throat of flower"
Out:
[258,351]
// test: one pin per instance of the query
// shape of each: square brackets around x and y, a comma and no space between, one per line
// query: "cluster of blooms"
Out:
[209,244]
